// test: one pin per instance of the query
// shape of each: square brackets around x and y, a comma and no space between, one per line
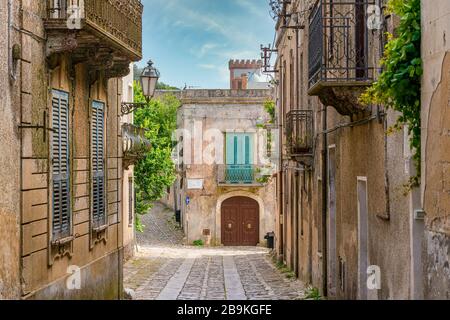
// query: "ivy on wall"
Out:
[399,85]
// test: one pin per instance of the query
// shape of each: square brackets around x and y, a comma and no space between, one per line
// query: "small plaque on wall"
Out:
[195,184]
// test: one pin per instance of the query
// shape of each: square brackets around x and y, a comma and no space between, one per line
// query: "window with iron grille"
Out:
[60,157]
[299,132]
[338,42]
[98,164]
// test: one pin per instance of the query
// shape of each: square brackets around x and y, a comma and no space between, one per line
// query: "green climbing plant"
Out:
[156,171]
[399,85]
[269,106]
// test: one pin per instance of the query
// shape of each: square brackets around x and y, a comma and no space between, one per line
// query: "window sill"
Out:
[100,229]
[63,241]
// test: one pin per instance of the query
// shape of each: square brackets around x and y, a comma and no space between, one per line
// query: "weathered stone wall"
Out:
[30,265]
[9,171]
[221,110]
[435,147]
[361,151]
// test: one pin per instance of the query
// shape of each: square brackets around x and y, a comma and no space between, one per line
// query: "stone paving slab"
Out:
[164,269]
[188,273]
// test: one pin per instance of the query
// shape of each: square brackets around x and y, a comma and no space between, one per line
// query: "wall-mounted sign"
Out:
[195,184]
[188,200]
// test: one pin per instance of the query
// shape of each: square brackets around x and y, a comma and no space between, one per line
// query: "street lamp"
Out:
[149,79]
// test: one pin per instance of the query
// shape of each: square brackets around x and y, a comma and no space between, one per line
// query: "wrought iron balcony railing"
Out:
[135,145]
[241,175]
[299,133]
[338,44]
[113,22]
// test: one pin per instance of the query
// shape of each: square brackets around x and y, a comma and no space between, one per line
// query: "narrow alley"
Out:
[165,269]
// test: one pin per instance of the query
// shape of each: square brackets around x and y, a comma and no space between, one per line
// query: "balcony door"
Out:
[239,158]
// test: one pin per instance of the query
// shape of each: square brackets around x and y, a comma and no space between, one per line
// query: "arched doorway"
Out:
[240,222]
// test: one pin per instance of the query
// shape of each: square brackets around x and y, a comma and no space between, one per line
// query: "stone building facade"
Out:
[62,198]
[435,147]
[224,187]
[342,206]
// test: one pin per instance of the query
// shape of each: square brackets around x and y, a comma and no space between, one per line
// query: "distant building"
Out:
[225,193]
[247,74]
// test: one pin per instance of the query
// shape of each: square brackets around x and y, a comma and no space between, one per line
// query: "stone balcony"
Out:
[107,33]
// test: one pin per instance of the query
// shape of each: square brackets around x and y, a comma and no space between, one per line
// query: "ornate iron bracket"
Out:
[130,107]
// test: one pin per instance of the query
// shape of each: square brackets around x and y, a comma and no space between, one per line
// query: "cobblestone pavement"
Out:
[163,269]
[160,228]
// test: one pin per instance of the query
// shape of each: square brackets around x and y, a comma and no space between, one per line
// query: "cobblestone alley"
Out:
[164,269]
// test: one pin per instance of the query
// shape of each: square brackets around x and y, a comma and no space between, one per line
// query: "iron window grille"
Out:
[299,132]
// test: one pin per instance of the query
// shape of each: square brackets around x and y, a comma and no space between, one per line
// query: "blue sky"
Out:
[191,41]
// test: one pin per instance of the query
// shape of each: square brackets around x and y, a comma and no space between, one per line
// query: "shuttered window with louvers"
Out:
[98,164]
[61,211]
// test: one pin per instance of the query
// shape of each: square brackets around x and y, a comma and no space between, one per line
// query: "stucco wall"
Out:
[362,151]
[9,172]
[30,265]
[436,146]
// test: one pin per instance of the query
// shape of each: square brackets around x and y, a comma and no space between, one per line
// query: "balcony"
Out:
[135,145]
[242,175]
[299,134]
[339,54]
[107,33]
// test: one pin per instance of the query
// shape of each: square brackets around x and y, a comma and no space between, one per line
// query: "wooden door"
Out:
[240,222]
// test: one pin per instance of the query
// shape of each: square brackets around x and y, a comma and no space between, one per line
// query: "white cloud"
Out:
[207,66]
[252,8]
[222,72]
[183,15]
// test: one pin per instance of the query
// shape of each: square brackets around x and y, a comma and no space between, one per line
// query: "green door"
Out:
[239,158]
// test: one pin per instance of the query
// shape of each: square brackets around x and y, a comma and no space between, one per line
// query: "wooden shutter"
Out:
[98,164]
[239,149]
[61,213]
[247,149]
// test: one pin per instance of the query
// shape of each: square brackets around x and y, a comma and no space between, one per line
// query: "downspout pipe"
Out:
[297,71]
[324,203]
[10,61]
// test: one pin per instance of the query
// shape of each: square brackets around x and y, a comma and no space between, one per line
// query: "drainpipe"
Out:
[10,57]
[297,72]
[298,222]
[175,199]
[281,179]
[324,203]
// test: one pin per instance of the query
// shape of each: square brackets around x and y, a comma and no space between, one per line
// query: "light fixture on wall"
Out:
[149,79]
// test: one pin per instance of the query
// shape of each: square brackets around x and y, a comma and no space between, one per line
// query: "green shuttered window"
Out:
[98,165]
[61,211]
[239,158]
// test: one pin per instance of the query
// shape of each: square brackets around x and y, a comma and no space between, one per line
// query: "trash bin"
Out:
[270,237]
[178,216]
